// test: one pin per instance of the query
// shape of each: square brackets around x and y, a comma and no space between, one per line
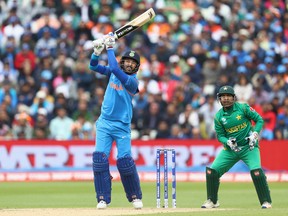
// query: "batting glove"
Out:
[109,41]
[98,46]
[233,145]
[252,139]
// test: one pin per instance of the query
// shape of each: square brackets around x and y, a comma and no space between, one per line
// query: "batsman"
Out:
[114,123]
[233,126]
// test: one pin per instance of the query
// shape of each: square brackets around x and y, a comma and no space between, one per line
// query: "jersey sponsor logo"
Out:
[116,87]
[236,128]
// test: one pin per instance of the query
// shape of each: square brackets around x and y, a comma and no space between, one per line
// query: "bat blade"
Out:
[135,23]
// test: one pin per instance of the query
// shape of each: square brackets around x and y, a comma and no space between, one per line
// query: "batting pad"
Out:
[129,177]
[212,184]
[102,179]
[261,185]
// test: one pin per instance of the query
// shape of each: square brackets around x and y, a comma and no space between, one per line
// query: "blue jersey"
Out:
[117,104]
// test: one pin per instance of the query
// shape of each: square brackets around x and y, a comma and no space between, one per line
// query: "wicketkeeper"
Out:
[114,123]
[241,142]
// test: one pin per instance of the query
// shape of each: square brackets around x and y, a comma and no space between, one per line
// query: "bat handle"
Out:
[116,37]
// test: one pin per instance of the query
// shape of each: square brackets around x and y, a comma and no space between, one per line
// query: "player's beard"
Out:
[128,69]
[227,103]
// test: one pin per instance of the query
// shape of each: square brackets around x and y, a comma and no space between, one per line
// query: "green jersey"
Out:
[236,122]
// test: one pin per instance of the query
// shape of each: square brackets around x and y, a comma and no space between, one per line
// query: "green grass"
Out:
[238,198]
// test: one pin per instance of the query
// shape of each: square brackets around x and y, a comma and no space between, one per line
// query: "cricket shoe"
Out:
[137,204]
[209,204]
[102,205]
[266,205]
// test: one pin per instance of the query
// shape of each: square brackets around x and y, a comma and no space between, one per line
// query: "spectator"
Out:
[83,76]
[70,15]
[9,53]
[252,102]
[250,66]
[48,20]
[171,115]
[41,127]
[47,42]
[21,127]
[5,129]
[243,89]
[198,99]
[152,117]
[277,92]
[30,10]
[163,131]
[140,104]
[41,101]
[8,95]
[14,29]
[262,78]
[102,27]
[203,133]
[189,119]
[64,83]
[208,111]
[211,71]
[157,29]
[86,12]
[148,84]
[177,70]
[167,86]
[8,73]
[281,130]
[75,131]
[26,54]
[26,94]
[61,100]
[177,133]
[260,95]
[63,59]
[61,126]
[28,38]
[269,118]
[194,71]
[83,110]
[96,100]
[87,132]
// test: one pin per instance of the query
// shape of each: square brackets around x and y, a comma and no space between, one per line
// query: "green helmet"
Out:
[226,90]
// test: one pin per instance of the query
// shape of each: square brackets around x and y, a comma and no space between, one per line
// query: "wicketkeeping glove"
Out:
[252,139]
[98,46]
[109,41]
[233,145]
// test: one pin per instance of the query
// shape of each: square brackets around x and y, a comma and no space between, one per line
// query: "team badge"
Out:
[132,54]
[256,173]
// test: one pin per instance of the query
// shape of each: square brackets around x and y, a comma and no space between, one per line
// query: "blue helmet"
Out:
[130,55]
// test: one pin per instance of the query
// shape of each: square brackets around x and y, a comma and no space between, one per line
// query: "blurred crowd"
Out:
[188,52]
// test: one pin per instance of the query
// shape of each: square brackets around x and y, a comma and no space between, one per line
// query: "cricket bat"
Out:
[135,23]
[129,27]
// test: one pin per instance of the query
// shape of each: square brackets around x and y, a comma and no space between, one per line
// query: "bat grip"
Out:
[116,37]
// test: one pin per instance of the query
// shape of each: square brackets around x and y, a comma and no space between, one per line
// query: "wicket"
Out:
[158,177]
